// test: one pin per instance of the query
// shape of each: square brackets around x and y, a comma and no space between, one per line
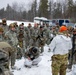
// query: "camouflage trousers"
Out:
[59,64]
[20,53]
[13,56]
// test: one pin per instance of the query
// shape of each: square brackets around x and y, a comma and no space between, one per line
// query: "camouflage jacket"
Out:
[11,38]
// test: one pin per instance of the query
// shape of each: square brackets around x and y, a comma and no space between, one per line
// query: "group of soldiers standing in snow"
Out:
[16,40]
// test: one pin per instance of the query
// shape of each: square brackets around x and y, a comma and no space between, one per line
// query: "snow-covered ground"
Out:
[43,68]
[18,22]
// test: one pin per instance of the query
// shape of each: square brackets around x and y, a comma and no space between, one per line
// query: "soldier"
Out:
[41,38]
[74,46]
[22,38]
[2,37]
[5,54]
[16,26]
[11,38]
[57,27]
[32,57]
[28,37]
[34,35]
[29,28]
[60,46]
[21,35]
[4,25]
[48,34]
[72,57]
[53,31]
[70,31]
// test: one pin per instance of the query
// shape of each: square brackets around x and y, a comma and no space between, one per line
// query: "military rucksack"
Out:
[4,58]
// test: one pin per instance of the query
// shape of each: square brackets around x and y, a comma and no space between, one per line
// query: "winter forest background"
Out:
[44,8]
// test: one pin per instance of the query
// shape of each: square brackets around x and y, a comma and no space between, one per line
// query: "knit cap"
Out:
[62,28]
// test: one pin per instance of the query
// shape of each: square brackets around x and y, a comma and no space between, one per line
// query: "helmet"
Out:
[11,25]
[34,49]
[1,29]
[4,21]
[15,23]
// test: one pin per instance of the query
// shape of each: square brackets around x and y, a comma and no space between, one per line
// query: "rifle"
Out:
[41,39]
[40,36]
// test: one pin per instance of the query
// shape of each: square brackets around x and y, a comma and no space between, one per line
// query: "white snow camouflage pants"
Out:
[29,63]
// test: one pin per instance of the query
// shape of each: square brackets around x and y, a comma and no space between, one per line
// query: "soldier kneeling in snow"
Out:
[32,57]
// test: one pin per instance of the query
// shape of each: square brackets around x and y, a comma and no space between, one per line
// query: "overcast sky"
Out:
[26,3]
[3,3]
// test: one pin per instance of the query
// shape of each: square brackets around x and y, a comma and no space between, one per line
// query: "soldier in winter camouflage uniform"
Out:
[74,51]
[29,27]
[41,38]
[57,27]
[70,31]
[72,57]
[2,36]
[11,38]
[22,38]
[16,26]
[48,33]
[34,35]
[21,35]
[27,38]
[4,25]
[32,57]
[60,46]
[53,31]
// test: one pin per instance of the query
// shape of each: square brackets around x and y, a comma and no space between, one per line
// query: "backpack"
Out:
[4,58]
